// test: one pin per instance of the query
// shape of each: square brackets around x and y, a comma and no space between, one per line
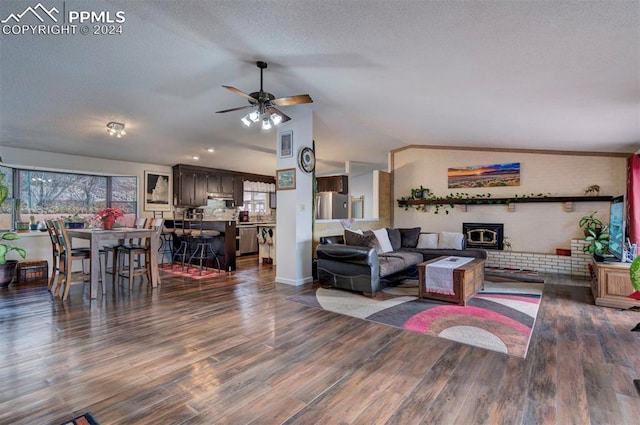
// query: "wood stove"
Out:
[483,235]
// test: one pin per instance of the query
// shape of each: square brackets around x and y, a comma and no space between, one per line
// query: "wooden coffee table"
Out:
[467,280]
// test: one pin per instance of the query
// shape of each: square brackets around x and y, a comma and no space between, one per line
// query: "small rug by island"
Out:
[86,419]
[501,317]
[192,272]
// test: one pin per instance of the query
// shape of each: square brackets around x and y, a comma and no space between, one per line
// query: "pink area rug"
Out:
[192,272]
[499,318]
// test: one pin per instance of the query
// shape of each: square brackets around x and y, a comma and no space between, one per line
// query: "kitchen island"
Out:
[224,245]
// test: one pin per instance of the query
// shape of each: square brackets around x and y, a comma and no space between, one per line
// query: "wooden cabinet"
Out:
[200,189]
[238,191]
[338,184]
[189,186]
[611,285]
[220,183]
[192,185]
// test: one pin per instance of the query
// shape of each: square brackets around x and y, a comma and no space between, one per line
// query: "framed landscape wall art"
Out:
[286,144]
[492,175]
[286,179]
[157,191]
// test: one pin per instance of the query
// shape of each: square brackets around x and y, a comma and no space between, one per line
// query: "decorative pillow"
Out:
[383,240]
[428,241]
[409,237]
[374,242]
[357,239]
[394,238]
[450,240]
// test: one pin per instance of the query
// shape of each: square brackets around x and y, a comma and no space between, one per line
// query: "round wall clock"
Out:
[307,159]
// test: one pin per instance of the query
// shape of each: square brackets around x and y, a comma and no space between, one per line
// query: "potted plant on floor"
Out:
[7,267]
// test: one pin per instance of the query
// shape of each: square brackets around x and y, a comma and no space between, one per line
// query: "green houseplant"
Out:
[596,234]
[7,267]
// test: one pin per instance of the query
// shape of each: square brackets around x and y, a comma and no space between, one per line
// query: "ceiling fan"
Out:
[264,104]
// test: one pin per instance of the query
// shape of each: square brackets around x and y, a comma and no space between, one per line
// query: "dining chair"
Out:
[114,247]
[138,251]
[67,256]
[55,253]
[203,239]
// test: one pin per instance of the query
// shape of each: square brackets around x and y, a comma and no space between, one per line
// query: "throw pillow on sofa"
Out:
[409,237]
[450,240]
[367,239]
[394,238]
[383,240]
[428,241]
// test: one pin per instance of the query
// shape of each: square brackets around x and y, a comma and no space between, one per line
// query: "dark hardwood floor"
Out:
[234,350]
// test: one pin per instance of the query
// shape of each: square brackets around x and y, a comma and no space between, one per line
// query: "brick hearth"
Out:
[574,265]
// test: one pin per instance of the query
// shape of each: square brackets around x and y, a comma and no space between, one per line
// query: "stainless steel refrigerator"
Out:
[332,205]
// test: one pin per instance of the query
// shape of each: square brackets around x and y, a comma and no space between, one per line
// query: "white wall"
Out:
[533,227]
[295,209]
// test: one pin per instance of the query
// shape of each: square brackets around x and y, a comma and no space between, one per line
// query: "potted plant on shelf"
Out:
[74,222]
[596,234]
[591,224]
[7,267]
[108,217]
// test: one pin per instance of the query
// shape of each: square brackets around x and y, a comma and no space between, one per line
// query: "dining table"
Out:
[98,236]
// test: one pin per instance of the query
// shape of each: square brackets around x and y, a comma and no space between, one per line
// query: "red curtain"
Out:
[633,198]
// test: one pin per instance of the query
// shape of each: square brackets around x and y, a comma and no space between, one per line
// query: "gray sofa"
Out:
[361,265]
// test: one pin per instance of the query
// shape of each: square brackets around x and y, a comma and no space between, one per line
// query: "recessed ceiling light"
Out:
[211,150]
[195,157]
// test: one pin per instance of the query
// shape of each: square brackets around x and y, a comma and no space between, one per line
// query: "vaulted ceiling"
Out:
[561,75]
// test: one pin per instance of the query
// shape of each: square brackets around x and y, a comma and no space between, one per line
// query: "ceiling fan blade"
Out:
[234,109]
[272,110]
[292,100]
[240,93]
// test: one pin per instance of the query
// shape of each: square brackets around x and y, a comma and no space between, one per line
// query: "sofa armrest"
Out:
[348,254]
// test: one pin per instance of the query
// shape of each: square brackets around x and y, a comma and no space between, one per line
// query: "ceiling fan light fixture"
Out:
[254,115]
[277,119]
[246,120]
[266,124]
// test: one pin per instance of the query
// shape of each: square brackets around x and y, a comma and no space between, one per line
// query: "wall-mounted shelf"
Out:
[567,200]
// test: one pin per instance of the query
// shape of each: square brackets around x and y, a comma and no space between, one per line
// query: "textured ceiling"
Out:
[562,75]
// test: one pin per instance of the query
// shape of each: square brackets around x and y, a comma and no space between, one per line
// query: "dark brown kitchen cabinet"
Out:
[192,185]
[189,186]
[338,184]
[238,191]
[200,188]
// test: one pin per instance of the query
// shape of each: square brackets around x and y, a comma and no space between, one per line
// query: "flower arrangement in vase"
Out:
[108,217]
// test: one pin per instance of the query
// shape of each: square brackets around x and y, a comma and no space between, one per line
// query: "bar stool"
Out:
[183,234]
[166,239]
[203,239]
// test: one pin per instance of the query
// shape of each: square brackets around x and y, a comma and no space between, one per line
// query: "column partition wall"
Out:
[295,207]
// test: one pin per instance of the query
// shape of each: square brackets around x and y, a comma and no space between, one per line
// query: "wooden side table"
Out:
[467,280]
[611,285]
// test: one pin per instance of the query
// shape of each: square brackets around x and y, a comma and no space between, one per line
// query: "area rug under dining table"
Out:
[501,317]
